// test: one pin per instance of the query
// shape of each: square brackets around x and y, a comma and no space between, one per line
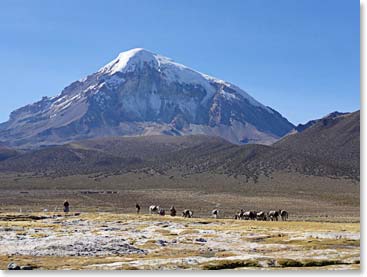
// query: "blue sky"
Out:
[298,57]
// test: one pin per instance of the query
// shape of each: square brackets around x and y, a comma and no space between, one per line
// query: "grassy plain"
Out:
[128,241]
[304,197]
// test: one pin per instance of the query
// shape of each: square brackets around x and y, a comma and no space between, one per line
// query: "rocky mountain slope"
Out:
[141,94]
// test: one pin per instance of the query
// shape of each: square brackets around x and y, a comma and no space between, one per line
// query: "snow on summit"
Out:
[127,61]
[172,71]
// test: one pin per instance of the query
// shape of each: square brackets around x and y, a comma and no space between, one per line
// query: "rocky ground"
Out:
[126,241]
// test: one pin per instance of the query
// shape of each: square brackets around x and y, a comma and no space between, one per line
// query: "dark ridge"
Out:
[301,127]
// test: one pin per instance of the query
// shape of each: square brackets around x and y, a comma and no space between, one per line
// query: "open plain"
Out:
[102,231]
[128,241]
[304,197]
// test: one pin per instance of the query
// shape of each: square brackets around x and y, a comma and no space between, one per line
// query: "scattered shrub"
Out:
[229,264]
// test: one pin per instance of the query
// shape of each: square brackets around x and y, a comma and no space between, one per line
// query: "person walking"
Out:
[66,206]
[173,211]
[137,206]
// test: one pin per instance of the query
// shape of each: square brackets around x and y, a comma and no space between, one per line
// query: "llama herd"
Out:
[158,210]
[242,215]
[261,215]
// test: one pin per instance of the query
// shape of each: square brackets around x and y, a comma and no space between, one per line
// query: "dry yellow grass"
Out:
[222,244]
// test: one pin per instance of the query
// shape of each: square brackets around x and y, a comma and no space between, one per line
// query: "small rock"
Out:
[161,242]
[271,263]
[13,266]
[201,240]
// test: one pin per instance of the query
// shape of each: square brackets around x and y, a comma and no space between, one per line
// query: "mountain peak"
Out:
[334,114]
[128,60]
[135,52]
[325,119]
[144,93]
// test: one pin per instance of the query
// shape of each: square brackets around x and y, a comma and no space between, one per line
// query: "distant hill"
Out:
[330,148]
[102,155]
[6,153]
[334,139]
[144,147]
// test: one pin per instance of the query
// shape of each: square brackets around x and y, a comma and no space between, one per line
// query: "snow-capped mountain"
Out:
[142,93]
